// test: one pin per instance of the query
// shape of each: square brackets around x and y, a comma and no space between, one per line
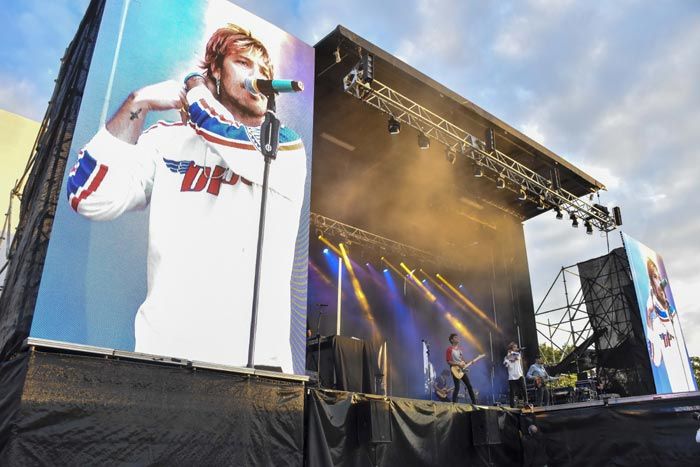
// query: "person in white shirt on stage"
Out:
[516,381]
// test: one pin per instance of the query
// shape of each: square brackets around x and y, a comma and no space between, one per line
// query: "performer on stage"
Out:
[538,374]
[440,386]
[516,381]
[455,358]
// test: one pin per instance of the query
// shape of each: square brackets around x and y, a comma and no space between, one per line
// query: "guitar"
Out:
[458,370]
[444,393]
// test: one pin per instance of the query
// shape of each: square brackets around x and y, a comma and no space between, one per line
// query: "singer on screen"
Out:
[201,178]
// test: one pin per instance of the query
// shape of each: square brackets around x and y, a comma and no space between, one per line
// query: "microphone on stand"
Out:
[272,86]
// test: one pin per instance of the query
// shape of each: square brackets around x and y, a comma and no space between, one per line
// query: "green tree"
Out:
[551,356]
[695,361]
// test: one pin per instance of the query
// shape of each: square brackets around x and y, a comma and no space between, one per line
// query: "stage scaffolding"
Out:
[44,175]
[491,163]
[597,325]
[591,302]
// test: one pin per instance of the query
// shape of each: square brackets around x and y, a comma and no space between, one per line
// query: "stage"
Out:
[83,405]
[389,251]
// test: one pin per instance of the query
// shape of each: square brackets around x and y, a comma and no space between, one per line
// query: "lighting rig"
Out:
[488,161]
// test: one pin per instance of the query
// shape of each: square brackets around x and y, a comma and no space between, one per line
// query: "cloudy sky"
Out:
[614,87]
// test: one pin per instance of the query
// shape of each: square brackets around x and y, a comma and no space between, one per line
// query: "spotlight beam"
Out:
[399,273]
[475,309]
[462,329]
[330,245]
[359,293]
[428,294]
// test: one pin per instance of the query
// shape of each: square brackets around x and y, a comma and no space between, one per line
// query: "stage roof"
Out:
[352,142]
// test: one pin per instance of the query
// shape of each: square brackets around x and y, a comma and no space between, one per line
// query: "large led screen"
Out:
[154,243]
[668,355]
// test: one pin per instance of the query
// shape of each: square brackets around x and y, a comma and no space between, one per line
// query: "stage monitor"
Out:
[154,243]
[668,355]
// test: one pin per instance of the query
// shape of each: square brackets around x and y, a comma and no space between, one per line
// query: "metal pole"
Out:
[340,295]
[493,369]
[269,142]
[258,261]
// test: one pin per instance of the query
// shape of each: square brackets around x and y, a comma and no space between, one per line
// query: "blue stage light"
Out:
[461,286]
[325,251]
[386,270]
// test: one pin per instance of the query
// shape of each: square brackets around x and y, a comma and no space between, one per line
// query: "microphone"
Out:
[272,86]
[663,284]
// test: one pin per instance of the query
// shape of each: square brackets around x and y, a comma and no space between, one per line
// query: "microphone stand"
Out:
[318,348]
[430,366]
[269,142]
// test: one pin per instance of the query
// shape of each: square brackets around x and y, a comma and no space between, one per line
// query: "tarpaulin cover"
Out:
[424,433]
[79,410]
[658,432]
[12,373]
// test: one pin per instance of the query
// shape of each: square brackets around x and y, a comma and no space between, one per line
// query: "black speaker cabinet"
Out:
[374,421]
[485,430]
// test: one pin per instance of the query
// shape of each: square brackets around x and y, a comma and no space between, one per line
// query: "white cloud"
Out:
[19,96]
[533,130]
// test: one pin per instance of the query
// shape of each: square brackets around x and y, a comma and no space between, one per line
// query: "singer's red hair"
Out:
[234,38]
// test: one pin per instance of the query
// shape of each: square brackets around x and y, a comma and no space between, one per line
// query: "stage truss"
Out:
[493,164]
[595,310]
[332,228]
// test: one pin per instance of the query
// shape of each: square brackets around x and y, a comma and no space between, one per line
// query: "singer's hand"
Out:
[195,80]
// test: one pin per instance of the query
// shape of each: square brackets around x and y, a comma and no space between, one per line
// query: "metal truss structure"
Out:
[598,303]
[499,167]
[328,227]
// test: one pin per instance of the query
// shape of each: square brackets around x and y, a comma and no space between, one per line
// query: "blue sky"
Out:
[610,86]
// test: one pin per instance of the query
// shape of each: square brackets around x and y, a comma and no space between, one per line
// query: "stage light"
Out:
[461,286]
[500,183]
[478,173]
[325,251]
[589,227]
[394,126]
[560,216]
[451,156]
[523,195]
[423,141]
[574,221]
[385,270]
[541,206]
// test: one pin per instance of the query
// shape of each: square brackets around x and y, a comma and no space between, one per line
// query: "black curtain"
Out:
[79,410]
[423,433]
[633,434]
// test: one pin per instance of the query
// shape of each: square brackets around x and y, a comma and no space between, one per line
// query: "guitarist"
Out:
[455,358]
[442,391]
